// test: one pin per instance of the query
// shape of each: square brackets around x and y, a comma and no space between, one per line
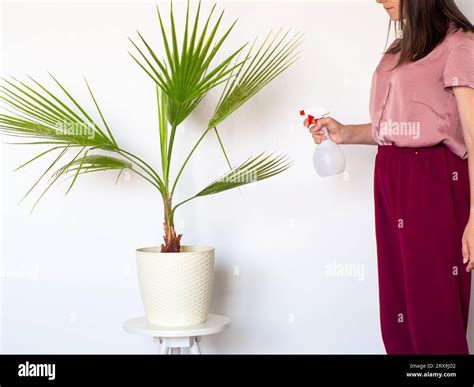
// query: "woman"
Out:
[422,119]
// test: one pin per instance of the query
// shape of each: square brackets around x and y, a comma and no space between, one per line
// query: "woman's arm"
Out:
[342,134]
[359,134]
[465,101]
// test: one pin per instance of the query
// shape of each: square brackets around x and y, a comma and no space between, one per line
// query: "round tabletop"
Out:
[214,324]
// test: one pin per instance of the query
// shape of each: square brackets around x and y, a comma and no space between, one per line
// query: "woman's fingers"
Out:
[470,265]
[315,130]
[326,121]
[334,129]
[318,136]
[465,251]
[467,255]
[308,123]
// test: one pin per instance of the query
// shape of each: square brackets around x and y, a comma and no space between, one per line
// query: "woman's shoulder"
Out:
[394,43]
[458,37]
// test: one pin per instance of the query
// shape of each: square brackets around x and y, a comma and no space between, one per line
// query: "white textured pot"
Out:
[176,287]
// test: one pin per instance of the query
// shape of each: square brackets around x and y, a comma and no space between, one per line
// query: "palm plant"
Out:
[182,79]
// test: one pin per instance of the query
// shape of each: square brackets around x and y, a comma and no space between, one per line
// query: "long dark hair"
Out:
[424,24]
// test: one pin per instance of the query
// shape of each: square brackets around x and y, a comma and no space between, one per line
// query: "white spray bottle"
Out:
[328,157]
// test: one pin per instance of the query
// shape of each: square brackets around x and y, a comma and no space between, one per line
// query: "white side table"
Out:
[172,340]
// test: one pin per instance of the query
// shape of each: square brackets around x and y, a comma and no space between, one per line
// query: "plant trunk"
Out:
[172,240]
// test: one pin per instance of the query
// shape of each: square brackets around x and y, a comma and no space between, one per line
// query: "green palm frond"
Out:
[95,162]
[276,54]
[91,163]
[186,74]
[254,169]
[37,116]
[36,113]
[162,103]
[273,57]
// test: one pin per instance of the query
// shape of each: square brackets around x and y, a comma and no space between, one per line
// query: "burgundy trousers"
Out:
[421,210]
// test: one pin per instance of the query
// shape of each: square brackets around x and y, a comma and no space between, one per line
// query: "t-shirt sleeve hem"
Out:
[459,82]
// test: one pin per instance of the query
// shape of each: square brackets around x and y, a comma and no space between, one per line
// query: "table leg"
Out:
[194,349]
[162,348]
[174,345]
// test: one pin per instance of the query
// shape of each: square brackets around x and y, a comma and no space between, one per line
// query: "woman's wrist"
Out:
[347,132]
[471,216]
[358,134]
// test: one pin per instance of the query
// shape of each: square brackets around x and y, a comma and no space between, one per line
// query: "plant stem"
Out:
[172,241]
[179,204]
[146,178]
[145,167]
[222,147]
[187,159]
[170,152]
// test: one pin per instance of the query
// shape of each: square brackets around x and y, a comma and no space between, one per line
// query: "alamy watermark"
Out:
[245,177]
[345,270]
[67,128]
[400,128]
[37,370]
[19,271]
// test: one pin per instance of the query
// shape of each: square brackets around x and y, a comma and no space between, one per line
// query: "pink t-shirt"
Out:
[414,105]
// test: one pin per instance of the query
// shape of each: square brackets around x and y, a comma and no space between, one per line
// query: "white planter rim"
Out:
[185,250]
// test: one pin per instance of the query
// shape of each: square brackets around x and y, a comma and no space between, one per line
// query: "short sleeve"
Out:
[459,69]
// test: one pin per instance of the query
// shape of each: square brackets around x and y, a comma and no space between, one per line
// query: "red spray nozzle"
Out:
[314,114]
[311,119]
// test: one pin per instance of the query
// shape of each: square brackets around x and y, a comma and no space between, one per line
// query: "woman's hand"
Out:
[465,100]
[468,245]
[338,132]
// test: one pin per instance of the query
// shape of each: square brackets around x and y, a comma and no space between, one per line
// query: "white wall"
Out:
[68,271]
